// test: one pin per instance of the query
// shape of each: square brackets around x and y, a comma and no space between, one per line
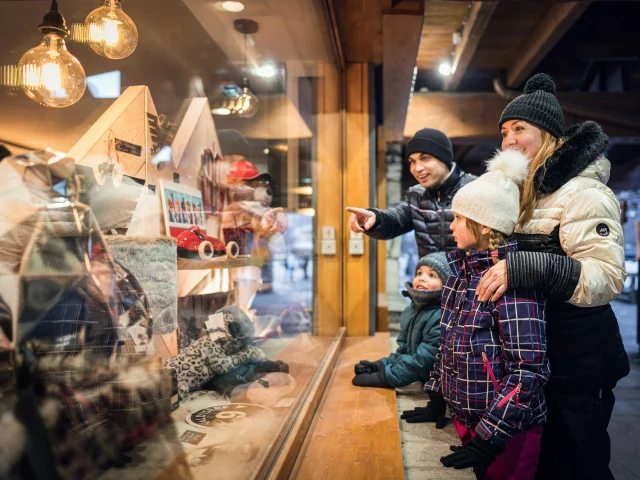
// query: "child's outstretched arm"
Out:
[521,317]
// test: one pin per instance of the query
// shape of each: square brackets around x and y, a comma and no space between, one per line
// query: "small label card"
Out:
[215,326]
[194,438]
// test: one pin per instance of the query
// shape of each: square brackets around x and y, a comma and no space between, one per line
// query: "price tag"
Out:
[139,335]
[216,326]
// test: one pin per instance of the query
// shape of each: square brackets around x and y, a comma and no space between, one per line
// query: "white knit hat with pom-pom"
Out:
[493,200]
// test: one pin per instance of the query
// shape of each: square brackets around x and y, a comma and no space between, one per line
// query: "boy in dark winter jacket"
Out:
[419,331]
[492,362]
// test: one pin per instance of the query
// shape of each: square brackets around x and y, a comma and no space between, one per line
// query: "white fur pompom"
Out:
[512,163]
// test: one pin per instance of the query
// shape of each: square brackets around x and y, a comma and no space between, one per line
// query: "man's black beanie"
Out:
[432,142]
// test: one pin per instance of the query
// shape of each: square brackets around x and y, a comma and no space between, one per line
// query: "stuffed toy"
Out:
[248,213]
[206,358]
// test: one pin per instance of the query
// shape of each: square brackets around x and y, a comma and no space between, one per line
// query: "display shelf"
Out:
[218,263]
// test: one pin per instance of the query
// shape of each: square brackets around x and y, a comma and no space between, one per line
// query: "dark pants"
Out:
[575,443]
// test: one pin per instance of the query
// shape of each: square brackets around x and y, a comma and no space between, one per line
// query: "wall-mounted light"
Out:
[112,33]
[265,71]
[445,69]
[50,75]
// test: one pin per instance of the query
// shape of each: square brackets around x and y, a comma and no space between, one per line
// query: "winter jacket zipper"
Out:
[414,320]
[487,369]
[515,392]
[442,232]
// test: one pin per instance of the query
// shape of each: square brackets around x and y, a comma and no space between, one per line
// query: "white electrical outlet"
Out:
[328,247]
[356,246]
[328,233]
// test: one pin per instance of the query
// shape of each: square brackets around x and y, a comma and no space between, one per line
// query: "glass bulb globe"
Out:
[112,33]
[246,103]
[51,75]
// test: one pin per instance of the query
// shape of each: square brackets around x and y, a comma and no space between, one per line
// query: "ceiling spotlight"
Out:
[445,69]
[266,71]
[234,7]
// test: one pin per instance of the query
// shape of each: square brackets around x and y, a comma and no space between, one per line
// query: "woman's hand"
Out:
[493,283]
[361,219]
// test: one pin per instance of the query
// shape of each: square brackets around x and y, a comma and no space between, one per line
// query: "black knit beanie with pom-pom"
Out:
[538,105]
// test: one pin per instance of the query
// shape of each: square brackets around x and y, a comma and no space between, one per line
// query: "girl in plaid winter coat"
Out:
[492,362]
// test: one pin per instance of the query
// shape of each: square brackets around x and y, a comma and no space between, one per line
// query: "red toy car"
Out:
[193,244]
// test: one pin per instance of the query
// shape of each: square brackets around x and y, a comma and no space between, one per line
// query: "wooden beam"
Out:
[357,291]
[360,25]
[462,115]
[552,28]
[400,42]
[479,17]
[328,205]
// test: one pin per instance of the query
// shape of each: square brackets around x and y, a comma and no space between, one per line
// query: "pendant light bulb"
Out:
[50,74]
[112,33]
[247,102]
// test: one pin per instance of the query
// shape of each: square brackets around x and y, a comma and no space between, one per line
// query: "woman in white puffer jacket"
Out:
[570,246]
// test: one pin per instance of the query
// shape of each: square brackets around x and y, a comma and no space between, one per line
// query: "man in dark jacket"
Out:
[426,207]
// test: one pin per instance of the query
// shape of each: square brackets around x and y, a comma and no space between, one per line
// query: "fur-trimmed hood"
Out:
[584,145]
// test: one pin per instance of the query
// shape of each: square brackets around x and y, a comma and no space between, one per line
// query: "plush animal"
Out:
[205,358]
[248,213]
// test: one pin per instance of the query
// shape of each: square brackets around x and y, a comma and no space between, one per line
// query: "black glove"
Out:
[268,366]
[283,367]
[375,379]
[477,453]
[366,366]
[433,412]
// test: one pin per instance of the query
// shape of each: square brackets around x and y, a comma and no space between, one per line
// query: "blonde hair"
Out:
[528,190]
[496,239]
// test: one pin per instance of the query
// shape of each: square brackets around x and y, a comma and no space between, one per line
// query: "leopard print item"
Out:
[203,359]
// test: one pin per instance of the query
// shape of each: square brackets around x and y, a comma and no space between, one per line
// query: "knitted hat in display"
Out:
[538,105]
[232,142]
[493,200]
[437,261]
[432,142]
[237,322]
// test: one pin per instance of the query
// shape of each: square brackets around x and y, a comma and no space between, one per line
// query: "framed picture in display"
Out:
[182,208]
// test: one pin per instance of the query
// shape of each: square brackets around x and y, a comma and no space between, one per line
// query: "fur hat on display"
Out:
[493,200]
[538,105]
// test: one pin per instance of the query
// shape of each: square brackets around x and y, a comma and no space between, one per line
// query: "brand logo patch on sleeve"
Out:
[603,229]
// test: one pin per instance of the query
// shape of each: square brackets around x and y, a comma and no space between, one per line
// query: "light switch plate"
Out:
[328,233]
[356,246]
[328,247]
[356,235]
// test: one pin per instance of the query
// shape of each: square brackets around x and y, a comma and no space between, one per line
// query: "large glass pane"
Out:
[164,308]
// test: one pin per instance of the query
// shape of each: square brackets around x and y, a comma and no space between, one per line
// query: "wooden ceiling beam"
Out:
[553,26]
[464,115]
[479,17]
[400,42]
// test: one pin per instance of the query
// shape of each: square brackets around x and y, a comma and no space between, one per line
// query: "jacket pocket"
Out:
[489,371]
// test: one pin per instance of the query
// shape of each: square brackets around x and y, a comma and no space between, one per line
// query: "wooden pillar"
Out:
[357,291]
[329,205]
[382,320]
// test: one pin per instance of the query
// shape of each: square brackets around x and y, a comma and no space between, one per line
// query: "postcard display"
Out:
[159,203]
